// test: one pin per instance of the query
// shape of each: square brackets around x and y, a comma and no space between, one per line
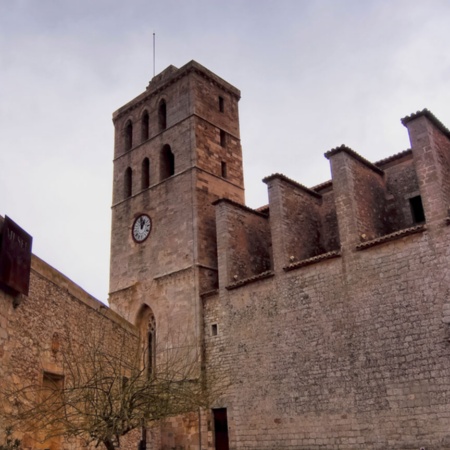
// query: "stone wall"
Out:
[35,329]
[348,349]
[243,239]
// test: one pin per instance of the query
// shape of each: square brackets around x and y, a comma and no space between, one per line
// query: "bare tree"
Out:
[106,391]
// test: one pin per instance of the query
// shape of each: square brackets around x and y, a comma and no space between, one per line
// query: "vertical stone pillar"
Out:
[430,144]
[294,220]
[223,242]
[276,222]
[243,235]
[359,192]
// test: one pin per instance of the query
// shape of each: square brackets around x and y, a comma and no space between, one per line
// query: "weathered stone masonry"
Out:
[328,309]
[35,328]
[346,345]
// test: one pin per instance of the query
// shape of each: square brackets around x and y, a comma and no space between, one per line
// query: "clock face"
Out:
[141,228]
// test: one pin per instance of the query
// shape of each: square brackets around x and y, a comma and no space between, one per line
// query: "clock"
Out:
[141,228]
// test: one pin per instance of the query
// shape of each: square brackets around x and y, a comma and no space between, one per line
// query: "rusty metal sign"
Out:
[15,258]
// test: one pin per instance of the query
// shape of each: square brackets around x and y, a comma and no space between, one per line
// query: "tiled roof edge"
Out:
[260,276]
[431,117]
[209,293]
[239,205]
[392,236]
[391,158]
[292,182]
[313,260]
[352,153]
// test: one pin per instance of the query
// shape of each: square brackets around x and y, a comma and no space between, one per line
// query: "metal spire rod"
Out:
[154,52]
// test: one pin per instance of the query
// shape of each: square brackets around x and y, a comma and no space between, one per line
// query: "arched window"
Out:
[128,136]
[145,122]
[167,162]
[162,115]
[145,174]
[128,183]
[147,328]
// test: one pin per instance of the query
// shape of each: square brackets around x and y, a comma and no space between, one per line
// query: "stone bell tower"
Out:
[177,150]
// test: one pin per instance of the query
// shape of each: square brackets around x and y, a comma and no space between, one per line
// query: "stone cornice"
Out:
[172,77]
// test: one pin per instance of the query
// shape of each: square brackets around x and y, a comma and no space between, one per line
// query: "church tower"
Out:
[177,150]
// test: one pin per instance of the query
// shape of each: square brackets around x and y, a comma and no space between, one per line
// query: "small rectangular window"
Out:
[223,138]
[221,104]
[417,211]
[223,169]
[214,329]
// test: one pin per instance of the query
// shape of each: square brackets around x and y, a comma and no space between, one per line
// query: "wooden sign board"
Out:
[15,258]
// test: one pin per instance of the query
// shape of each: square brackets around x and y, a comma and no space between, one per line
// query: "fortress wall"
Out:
[35,334]
[294,219]
[401,186]
[352,351]
[329,225]
[303,223]
[243,242]
[348,353]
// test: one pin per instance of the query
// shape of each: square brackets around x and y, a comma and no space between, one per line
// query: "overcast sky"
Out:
[313,75]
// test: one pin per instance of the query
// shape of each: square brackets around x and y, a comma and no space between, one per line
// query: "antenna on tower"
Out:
[154,52]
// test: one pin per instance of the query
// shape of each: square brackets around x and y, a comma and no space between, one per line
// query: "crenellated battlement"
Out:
[364,204]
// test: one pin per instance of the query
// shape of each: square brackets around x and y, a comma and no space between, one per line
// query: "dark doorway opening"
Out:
[221,428]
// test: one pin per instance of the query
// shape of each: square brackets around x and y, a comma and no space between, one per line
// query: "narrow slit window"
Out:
[151,342]
[223,138]
[418,214]
[214,329]
[223,169]
[150,355]
[221,104]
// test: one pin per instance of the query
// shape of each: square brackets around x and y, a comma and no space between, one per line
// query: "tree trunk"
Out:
[109,444]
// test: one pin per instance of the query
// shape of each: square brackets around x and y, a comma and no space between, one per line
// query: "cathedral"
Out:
[326,311]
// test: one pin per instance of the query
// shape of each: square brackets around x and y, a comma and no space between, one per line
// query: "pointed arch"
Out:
[128,136]
[167,162]
[146,325]
[145,126]
[162,115]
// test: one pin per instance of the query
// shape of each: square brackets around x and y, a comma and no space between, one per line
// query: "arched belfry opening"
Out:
[145,126]
[128,183]
[162,115]
[128,136]
[146,324]
[145,173]
[167,162]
